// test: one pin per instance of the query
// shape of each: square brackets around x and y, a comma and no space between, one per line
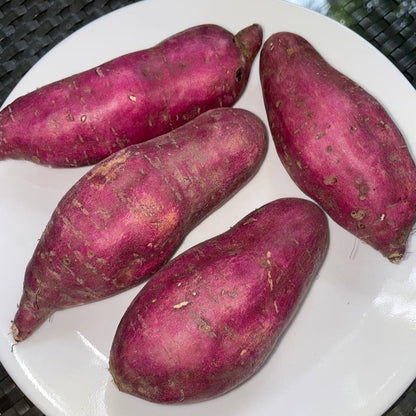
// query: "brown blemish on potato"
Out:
[364,193]
[181,304]
[35,159]
[269,270]
[277,103]
[93,269]
[228,332]
[328,149]
[276,308]
[105,168]
[358,215]
[205,327]
[290,51]
[168,222]
[383,125]
[123,277]
[99,72]
[66,261]
[78,204]
[362,188]
[320,135]
[330,180]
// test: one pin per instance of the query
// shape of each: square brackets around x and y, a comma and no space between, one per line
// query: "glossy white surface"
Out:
[351,348]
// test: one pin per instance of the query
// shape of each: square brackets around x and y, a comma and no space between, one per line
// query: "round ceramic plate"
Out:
[350,349]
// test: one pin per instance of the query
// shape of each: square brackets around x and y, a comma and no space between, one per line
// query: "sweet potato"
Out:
[128,214]
[339,144]
[208,320]
[86,117]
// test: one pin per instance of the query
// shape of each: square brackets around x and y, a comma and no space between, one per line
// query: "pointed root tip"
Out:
[17,335]
[28,319]
[395,257]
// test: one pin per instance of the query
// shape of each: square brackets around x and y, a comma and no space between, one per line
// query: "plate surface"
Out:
[350,349]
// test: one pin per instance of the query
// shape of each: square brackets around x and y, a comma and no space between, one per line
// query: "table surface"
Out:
[30,28]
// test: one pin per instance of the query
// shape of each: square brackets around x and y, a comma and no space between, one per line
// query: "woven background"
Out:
[28,29]
[388,24]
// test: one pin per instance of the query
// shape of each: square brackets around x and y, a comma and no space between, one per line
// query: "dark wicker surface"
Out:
[29,28]
[390,25]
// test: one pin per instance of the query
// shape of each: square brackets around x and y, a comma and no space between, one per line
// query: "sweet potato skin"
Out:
[88,116]
[339,144]
[127,215]
[208,320]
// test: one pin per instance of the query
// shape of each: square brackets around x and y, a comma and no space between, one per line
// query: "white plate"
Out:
[350,350]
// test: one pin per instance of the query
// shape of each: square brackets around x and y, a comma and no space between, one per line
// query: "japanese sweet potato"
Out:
[128,214]
[86,117]
[339,144]
[207,321]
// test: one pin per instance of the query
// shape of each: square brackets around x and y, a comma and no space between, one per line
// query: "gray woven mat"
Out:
[388,24]
[28,29]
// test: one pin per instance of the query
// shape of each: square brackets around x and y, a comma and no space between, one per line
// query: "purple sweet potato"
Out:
[208,320]
[125,217]
[339,144]
[82,119]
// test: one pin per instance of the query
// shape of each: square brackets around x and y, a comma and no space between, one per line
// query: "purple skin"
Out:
[209,319]
[82,119]
[339,144]
[126,216]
